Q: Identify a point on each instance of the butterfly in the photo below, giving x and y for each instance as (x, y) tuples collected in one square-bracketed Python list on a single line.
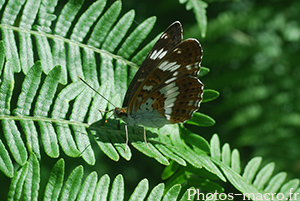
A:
[(166, 88)]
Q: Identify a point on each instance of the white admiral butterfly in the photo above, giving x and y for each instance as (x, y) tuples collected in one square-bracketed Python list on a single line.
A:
[(166, 88)]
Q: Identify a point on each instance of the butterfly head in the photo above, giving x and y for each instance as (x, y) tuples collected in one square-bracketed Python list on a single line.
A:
[(120, 112)]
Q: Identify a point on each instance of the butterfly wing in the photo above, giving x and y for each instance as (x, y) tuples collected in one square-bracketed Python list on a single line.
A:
[(165, 44), (173, 88), (166, 88)]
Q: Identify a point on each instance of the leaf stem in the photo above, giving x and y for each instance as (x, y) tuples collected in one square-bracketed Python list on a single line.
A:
[(62, 121)]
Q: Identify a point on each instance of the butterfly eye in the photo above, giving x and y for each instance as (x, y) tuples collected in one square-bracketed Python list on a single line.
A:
[(119, 112)]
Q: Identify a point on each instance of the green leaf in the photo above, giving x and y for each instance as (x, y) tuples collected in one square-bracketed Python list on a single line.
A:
[(118, 32), (251, 168), (173, 193), (44, 52), (46, 18), (14, 141), (215, 147), (72, 185), (86, 21), (88, 188), (190, 157), (104, 24), (276, 182), (121, 81), (61, 106), (67, 16), (151, 151), (203, 71), (47, 92), (32, 181), (264, 175), (289, 186), (235, 161), (31, 136), (99, 103), (209, 95), (200, 119), (140, 191), (42, 107), (55, 181), (101, 191), (117, 189), (157, 192), (202, 173), (6, 165), (199, 8), (195, 140), (131, 43), (226, 154), (178, 178), (244, 183), (49, 138)]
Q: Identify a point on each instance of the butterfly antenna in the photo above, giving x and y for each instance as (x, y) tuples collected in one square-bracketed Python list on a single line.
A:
[(95, 91)]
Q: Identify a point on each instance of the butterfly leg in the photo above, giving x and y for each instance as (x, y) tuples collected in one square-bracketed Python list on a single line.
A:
[(145, 135), (145, 138), (126, 132)]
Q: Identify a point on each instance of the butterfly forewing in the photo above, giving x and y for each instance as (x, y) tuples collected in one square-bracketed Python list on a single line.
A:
[(165, 44)]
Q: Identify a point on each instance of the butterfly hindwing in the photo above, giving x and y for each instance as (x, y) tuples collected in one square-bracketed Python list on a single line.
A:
[(173, 88)]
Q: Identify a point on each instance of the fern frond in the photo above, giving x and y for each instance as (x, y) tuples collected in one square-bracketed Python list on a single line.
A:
[(199, 8), (26, 180), (95, 27), (253, 181)]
